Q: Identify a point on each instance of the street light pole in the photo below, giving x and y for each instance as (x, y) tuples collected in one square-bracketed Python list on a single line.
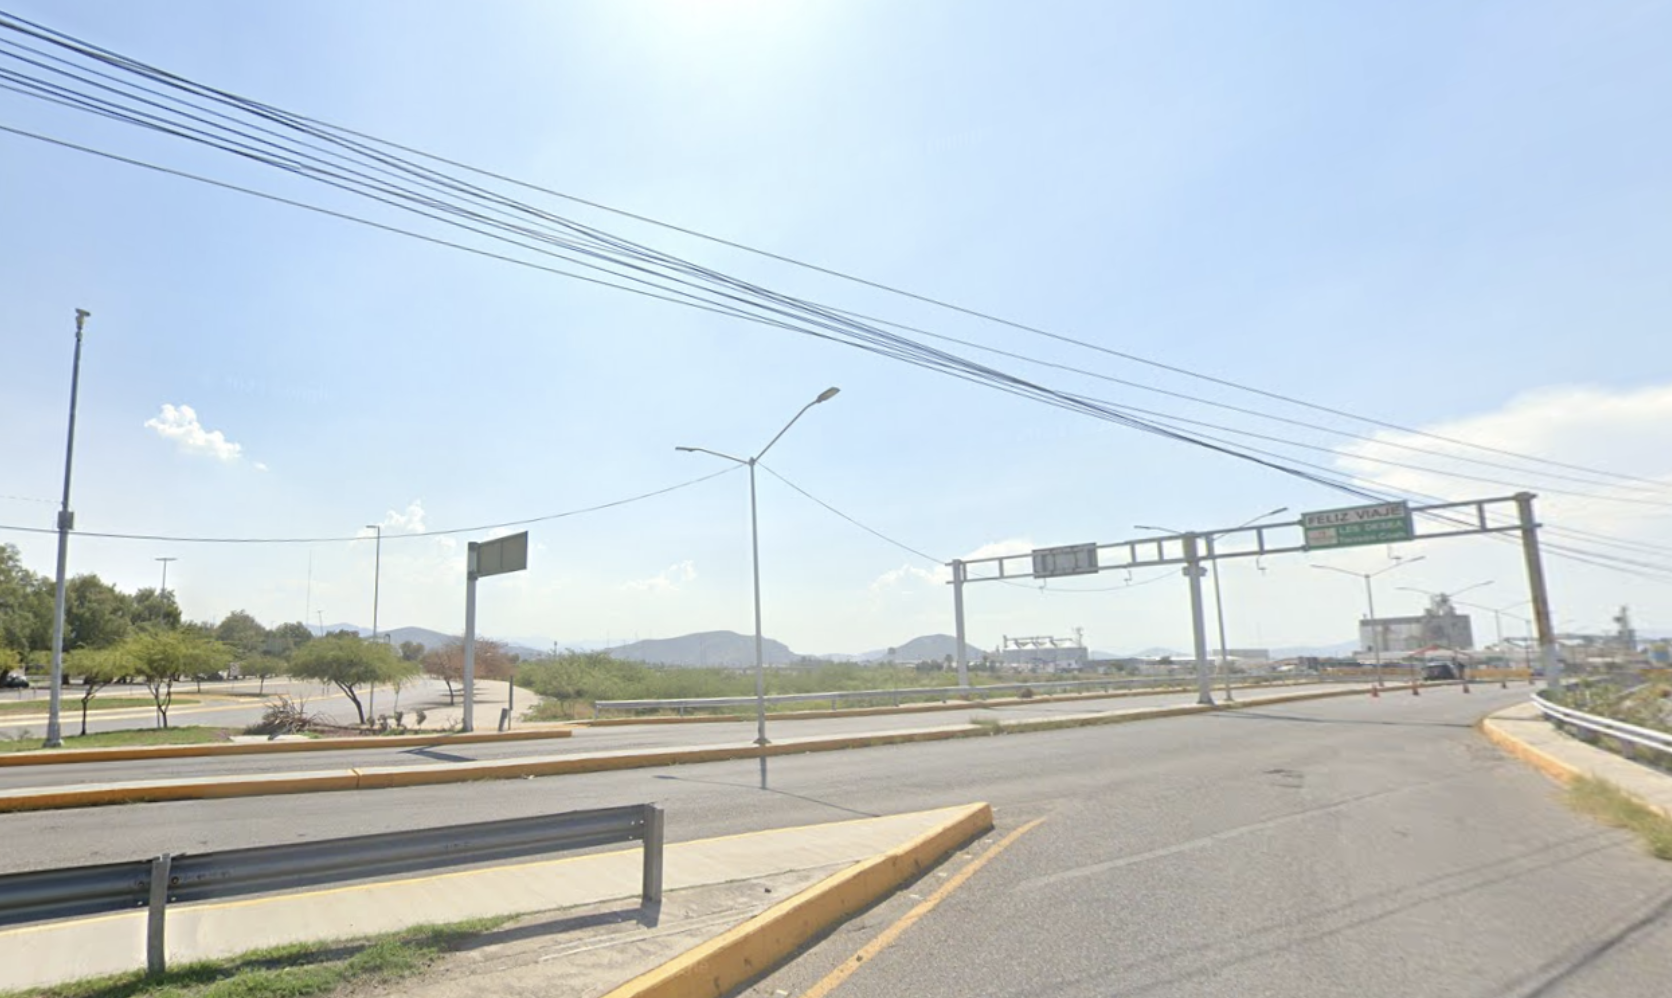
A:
[(66, 523), (755, 551), (1370, 601), (377, 582), (1218, 599)]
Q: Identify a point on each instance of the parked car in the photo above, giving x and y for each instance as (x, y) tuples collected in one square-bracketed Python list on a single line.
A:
[(14, 681)]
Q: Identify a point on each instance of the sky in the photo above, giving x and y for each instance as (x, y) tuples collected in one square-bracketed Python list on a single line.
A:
[(1450, 217)]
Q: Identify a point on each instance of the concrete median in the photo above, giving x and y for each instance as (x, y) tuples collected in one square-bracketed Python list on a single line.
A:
[(131, 753)]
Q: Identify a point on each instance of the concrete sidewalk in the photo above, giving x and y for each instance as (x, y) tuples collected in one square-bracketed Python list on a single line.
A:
[(710, 885), (1523, 731)]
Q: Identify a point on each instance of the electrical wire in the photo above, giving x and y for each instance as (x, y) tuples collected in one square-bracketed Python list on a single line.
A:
[(386, 537)]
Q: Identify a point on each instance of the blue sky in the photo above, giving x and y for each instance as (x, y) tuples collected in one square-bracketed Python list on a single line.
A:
[(1447, 215)]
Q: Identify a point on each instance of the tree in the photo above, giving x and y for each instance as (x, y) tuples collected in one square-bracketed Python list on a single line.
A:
[(242, 633), (412, 651), (446, 663), (96, 613), (349, 663), (163, 658), (264, 667), (25, 605), (286, 638), (97, 668), (9, 660), (154, 609)]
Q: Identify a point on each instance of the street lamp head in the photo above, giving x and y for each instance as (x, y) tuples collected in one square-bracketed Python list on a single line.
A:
[(1280, 509), (688, 450), (826, 395)]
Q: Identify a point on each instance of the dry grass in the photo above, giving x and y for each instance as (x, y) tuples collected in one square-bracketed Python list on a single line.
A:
[(1610, 805)]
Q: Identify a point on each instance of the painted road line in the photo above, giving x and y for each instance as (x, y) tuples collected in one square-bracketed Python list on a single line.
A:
[(763, 942), (886, 938)]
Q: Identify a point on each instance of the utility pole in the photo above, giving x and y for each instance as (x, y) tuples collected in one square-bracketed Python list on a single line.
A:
[(66, 523), (164, 590)]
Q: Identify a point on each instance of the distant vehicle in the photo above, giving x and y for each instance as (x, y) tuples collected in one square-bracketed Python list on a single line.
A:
[(14, 682), (1439, 670)]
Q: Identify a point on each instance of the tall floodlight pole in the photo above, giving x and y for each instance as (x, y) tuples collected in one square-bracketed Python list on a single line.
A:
[(66, 523), (1370, 603), (377, 580), (164, 590), (1218, 600), (755, 544)]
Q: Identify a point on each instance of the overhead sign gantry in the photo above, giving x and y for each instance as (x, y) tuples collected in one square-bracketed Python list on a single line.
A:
[(1380, 523)]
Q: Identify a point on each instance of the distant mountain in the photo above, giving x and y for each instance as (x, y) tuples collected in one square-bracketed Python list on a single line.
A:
[(926, 648), (423, 635), (726, 648)]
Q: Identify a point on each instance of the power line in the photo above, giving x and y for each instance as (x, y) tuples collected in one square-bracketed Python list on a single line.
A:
[(71, 43), (831, 320), (387, 537)]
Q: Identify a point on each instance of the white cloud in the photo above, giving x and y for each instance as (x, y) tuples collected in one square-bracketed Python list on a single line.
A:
[(667, 580), (904, 577), (180, 424), (259, 466), (409, 521)]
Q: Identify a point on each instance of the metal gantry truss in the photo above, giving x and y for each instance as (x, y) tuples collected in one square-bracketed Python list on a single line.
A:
[(1467, 518)]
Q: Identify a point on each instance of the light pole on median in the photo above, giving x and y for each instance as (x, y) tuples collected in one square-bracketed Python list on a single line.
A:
[(377, 583), (755, 543), (1218, 600), (1370, 600), (66, 523)]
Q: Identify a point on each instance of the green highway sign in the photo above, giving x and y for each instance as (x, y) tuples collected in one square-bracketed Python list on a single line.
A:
[(1384, 523)]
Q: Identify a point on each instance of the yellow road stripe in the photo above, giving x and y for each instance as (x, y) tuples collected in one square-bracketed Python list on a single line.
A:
[(834, 979)]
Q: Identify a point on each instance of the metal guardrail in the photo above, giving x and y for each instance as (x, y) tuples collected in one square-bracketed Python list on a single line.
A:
[(1660, 741), (835, 697), (46, 895)]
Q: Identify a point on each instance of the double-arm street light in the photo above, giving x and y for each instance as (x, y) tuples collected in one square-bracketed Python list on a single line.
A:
[(1218, 600), (755, 541), (1498, 614), (1370, 600)]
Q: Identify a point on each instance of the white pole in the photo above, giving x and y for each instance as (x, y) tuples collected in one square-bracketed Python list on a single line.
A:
[(1219, 612), (760, 658), (958, 622), (66, 523), (470, 638), (1375, 630), (1198, 625), (1541, 597)]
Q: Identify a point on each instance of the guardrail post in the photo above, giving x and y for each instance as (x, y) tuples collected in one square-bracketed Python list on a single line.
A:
[(652, 854), (156, 942)]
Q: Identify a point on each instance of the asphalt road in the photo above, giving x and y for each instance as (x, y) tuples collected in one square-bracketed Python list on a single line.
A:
[(1349, 846), (586, 739)]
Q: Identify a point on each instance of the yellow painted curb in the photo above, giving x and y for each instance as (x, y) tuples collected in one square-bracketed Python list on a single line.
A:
[(57, 757), (1544, 762), (384, 777), (746, 952)]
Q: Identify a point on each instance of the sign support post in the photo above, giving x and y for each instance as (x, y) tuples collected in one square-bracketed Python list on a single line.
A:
[(1198, 624), (1548, 651), (495, 557)]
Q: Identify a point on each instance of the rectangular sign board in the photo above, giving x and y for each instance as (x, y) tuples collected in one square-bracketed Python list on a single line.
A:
[(1384, 523), (501, 555), (1071, 559)]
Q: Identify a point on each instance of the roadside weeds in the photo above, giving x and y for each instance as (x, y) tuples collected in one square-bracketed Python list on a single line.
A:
[(294, 971), (1612, 806)]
